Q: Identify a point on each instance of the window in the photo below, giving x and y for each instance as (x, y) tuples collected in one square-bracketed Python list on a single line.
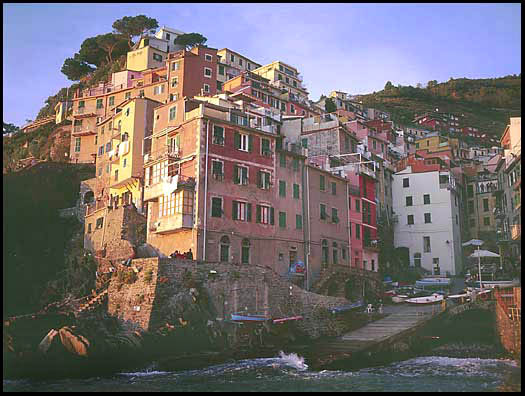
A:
[(225, 249), (426, 244), (241, 211), (232, 58), (141, 93), (173, 113), (357, 205), (243, 142), (374, 144), (298, 222), (265, 147), (263, 180), (240, 62), (283, 106), (282, 188), (427, 218), (157, 57), (157, 90), (470, 191), (408, 201), (175, 66), (264, 214), (81, 104), (405, 182), (282, 219), (77, 145), (457, 219), (208, 57), (127, 112), (127, 96), (240, 174), (221, 70), (245, 252), (99, 103), (96, 139), (334, 188), (100, 222), (358, 231), (295, 164), (426, 199), (417, 260), (168, 36), (89, 228), (321, 183), (485, 205), (304, 142), (100, 150), (218, 135), (217, 170), (334, 253), (373, 265), (471, 207), (343, 253), (322, 211), (207, 72), (335, 218), (219, 86), (108, 169), (410, 219), (174, 82), (435, 264), (108, 146), (486, 221), (324, 253), (124, 163), (116, 175), (292, 108), (282, 160)]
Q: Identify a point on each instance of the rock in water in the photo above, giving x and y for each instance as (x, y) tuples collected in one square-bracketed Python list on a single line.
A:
[(74, 343), (46, 342)]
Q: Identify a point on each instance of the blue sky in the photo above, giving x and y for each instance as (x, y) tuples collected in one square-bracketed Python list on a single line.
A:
[(353, 48)]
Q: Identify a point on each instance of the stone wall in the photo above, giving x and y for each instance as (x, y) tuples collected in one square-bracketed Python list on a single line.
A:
[(231, 288), (133, 302), (509, 331)]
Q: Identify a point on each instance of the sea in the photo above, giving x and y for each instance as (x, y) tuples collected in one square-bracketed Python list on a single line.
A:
[(289, 373)]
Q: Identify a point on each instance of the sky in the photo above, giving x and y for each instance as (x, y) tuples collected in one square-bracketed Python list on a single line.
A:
[(354, 48)]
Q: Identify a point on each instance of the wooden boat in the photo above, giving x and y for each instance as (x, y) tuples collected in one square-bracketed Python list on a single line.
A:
[(434, 298), (282, 320), (348, 307), (246, 317)]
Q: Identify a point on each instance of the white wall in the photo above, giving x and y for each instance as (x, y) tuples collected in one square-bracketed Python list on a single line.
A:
[(443, 227)]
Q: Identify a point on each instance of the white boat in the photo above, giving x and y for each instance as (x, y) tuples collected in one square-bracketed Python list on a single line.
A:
[(399, 298), (434, 298), (433, 282)]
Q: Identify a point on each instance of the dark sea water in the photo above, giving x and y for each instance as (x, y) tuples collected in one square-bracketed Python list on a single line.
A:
[(289, 373)]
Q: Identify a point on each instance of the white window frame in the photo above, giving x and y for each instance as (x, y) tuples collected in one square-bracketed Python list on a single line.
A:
[(211, 73), (174, 82), (222, 166), (264, 186), (242, 208), (265, 214), (158, 89), (239, 174), (206, 88), (208, 57), (175, 66), (244, 143), (175, 116)]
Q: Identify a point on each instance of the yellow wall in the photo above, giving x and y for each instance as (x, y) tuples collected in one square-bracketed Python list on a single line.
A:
[(142, 59)]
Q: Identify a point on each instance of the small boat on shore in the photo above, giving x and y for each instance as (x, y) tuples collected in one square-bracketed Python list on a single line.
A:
[(434, 298), (246, 317), (433, 282), (348, 307), (290, 318)]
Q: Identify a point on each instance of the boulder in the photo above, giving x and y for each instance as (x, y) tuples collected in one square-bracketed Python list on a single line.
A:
[(74, 343), (46, 342)]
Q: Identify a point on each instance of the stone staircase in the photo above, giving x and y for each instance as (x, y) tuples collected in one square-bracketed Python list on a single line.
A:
[(93, 303)]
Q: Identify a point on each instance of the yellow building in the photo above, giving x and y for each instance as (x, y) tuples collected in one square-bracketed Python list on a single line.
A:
[(285, 77), (145, 57), (132, 122)]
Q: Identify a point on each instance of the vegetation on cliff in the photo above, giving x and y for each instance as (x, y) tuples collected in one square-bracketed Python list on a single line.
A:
[(485, 103), (35, 237)]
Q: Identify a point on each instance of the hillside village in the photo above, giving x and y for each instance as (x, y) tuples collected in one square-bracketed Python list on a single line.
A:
[(228, 158)]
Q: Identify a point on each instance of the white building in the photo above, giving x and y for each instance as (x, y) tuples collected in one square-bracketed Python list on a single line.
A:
[(427, 206)]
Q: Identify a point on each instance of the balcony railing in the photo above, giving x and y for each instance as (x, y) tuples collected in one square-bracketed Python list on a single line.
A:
[(515, 231), (94, 206), (85, 110), (172, 223), (169, 184)]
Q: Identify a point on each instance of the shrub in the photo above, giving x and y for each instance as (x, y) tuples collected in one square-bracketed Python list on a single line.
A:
[(148, 276)]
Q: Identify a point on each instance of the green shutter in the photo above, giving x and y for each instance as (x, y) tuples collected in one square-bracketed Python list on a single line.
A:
[(272, 220), (304, 142), (334, 188), (296, 191), (236, 174), (244, 174), (267, 177), (298, 222), (234, 210), (249, 212), (321, 182), (258, 213), (250, 143), (237, 140), (282, 188), (259, 179), (282, 160), (282, 219), (177, 141), (295, 164)]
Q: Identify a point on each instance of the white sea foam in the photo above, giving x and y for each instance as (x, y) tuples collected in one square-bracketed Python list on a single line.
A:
[(293, 360), (145, 373)]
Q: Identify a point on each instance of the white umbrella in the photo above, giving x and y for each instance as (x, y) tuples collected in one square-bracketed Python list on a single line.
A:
[(473, 242), (483, 253)]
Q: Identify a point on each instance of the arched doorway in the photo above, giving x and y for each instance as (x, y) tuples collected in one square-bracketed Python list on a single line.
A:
[(224, 249)]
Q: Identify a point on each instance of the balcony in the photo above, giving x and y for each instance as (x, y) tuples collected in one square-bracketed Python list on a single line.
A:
[(166, 225), (354, 190), (166, 186), (371, 245), (85, 112), (86, 131), (515, 231)]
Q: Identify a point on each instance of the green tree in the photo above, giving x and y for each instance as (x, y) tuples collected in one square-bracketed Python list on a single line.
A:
[(91, 52), (130, 27), (111, 44), (10, 128), (388, 86), (329, 105), (75, 69), (190, 40)]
